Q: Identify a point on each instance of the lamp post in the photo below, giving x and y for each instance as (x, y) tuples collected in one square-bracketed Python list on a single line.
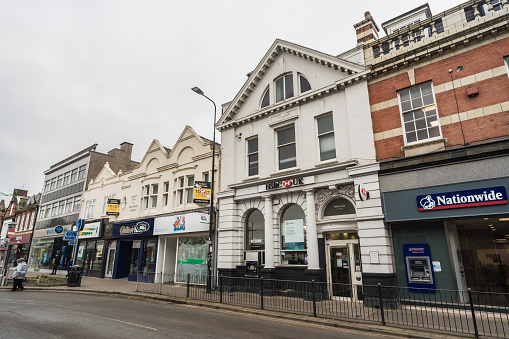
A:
[(211, 216)]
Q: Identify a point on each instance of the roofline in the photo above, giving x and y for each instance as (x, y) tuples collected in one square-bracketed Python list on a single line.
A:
[(76, 155), (426, 5)]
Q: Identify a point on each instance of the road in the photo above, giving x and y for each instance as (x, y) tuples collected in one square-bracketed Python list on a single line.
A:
[(78, 315)]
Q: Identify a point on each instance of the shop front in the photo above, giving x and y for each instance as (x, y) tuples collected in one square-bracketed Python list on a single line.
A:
[(453, 236), (19, 247), (183, 246), (91, 249), (135, 249), (46, 245)]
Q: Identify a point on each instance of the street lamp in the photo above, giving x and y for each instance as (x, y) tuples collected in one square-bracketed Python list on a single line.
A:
[(211, 216)]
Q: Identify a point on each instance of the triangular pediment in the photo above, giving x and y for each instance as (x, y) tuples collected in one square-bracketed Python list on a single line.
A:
[(105, 173), (187, 134), (311, 60), (155, 146)]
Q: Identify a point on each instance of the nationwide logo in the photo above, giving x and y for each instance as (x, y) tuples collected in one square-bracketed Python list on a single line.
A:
[(460, 199), (284, 184)]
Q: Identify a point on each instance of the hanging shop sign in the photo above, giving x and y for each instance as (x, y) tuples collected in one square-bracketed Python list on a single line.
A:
[(201, 192), (363, 193), (182, 223), (90, 230), (113, 207), (461, 199), (135, 228)]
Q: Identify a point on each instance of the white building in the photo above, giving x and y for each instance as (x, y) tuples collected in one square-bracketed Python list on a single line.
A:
[(297, 150), (157, 194)]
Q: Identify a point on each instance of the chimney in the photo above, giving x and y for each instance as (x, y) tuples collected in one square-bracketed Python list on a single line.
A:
[(366, 30), (127, 147)]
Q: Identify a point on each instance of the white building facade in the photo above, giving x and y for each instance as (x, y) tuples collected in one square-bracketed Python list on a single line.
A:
[(299, 196)]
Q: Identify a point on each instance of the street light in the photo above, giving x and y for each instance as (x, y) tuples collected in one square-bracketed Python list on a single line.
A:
[(211, 216)]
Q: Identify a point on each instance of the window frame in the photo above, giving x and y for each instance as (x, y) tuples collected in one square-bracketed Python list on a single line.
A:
[(265, 93), (249, 155), (88, 212), (318, 136), (105, 203), (285, 88), (189, 189), (401, 114), (278, 158)]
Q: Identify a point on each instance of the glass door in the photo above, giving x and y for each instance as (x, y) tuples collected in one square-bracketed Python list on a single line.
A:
[(110, 262), (340, 271)]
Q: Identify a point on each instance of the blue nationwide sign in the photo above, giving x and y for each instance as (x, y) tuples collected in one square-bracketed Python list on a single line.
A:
[(460, 199)]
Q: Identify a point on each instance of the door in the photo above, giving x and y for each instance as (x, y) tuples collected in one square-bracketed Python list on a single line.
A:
[(110, 263), (340, 271), (89, 257)]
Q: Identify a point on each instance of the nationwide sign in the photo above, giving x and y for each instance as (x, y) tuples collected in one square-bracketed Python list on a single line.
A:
[(460, 199), (284, 184)]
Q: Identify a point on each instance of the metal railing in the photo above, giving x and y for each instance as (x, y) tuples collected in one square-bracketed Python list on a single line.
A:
[(465, 312)]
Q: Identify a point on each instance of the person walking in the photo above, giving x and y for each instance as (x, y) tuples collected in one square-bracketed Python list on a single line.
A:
[(19, 275), (55, 263), (68, 267)]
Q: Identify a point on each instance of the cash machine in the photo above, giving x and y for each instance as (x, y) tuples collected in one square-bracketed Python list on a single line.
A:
[(419, 268)]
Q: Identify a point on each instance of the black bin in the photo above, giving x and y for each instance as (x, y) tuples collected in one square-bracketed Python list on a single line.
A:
[(74, 277)]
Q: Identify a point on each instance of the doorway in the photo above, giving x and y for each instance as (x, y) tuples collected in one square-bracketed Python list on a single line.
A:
[(344, 273), (110, 262)]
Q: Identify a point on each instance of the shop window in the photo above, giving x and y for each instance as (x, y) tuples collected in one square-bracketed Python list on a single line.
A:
[(339, 206), (293, 236), (326, 137), (135, 256), (252, 156), (255, 231), (149, 257), (287, 152), (192, 259), (419, 113)]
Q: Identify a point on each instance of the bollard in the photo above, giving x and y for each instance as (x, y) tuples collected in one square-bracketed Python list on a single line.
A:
[(381, 303), (313, 296), (476, 332), (188, 284), (221, 289), (160, 283), (261, 293)]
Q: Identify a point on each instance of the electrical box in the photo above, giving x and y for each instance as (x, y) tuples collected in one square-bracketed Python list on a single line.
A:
[(419, 268)]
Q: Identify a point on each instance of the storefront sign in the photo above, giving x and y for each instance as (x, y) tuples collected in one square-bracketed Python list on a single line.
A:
[(59, 229), (50, 232), (136, 228), (460, 199), (284, 184), (294, 235), (182, 223), (91, 230), (201, 192), (20, 239), (113, 207)]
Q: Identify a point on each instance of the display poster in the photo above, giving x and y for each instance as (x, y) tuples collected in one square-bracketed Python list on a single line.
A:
[(113, 207), (91, 230), (294, 234), (181, 223), (201, 192), (80, 252)]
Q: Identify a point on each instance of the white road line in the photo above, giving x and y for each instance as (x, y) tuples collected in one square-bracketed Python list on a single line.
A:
[(126, 322)]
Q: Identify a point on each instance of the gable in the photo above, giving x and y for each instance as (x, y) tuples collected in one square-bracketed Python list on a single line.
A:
[(105, 173)]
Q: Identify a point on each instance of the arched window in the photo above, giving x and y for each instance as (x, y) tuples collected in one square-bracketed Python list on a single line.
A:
[(255, 231), (266, 99), (339, 206), (284, 87), (293, 236), (304, 84)]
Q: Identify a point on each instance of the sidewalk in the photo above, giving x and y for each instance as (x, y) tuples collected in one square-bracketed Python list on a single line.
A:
[(128, 289)]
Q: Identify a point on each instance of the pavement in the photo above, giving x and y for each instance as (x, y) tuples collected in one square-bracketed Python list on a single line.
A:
[(125, 288)]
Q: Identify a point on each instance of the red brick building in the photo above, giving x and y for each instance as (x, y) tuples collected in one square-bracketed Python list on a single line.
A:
[(439, 97)]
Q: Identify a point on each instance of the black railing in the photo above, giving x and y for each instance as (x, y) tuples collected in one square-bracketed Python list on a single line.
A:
[(465, 312)]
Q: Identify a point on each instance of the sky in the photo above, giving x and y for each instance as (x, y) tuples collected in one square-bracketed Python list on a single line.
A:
[(76, 73)]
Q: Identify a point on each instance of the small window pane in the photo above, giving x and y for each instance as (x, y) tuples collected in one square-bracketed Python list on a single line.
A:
[(420, 123), (434, 132), (279, 90), (426, 88), (422, 134), (287, 156), (411, 137), (408, 117), (404, 96), (190, 181), (266, 99), (419, 114), (252, 145), (288, 86), (154, 201), (286, 136), (327, 147), (415, 92), (409, 126), (189, 193), (155, 189), (304, 84), (427, 100), (325, 124), (417, 102), (406, 106), (253, 164)]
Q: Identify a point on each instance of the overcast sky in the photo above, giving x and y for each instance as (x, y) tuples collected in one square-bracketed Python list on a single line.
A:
[(75, 73)]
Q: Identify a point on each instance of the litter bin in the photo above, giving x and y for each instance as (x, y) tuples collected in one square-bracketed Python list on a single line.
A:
[(74, 277)]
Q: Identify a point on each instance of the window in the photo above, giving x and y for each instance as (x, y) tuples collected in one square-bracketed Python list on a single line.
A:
[(205, 176), (89, 209), (67, 178), (53, 183), (304, 84), (68, 205), (54, 209), (166, 188), (105, 203), (77, 203), (255, 231), (61, 206), (439, 26), (42, 212), (286, 148), (339, 206), (470, 13), (252, 156), (47, 185), (293, 236), (47, 212), (266, 99), (74, 175), (180, 191), (326, 138), (376, 51), (82, 172), (190, 189), (497, 4), (386, 47), (145, 192), (60, 181), (153, 196), (284, 87), (506, 59), (419, 113)]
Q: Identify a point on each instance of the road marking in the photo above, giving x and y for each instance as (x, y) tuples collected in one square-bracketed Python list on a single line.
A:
[(126, 322)]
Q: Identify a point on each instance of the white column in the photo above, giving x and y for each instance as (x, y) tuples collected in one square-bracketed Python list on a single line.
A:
[(312, 237), (269, 233)]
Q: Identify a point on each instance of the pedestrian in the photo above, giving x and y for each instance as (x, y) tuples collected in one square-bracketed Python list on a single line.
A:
[(19, 275), (69, 264), (55, 263)]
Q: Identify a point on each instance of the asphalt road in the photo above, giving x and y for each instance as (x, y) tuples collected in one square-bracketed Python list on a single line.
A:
[(75, 315)]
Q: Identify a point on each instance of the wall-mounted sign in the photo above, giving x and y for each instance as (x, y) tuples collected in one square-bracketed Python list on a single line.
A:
[(460, 199), (201, 192), (90, 230), (284, 184), (363, 193), (182, 223), (113, 207), (20, 239), (135, 228), (59, 229)]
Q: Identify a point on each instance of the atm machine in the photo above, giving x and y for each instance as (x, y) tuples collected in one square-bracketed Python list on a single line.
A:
[(419, 268), (252, 259)]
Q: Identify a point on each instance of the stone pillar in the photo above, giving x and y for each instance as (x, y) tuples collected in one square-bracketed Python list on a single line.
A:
[(312, 237), (269, 233)]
